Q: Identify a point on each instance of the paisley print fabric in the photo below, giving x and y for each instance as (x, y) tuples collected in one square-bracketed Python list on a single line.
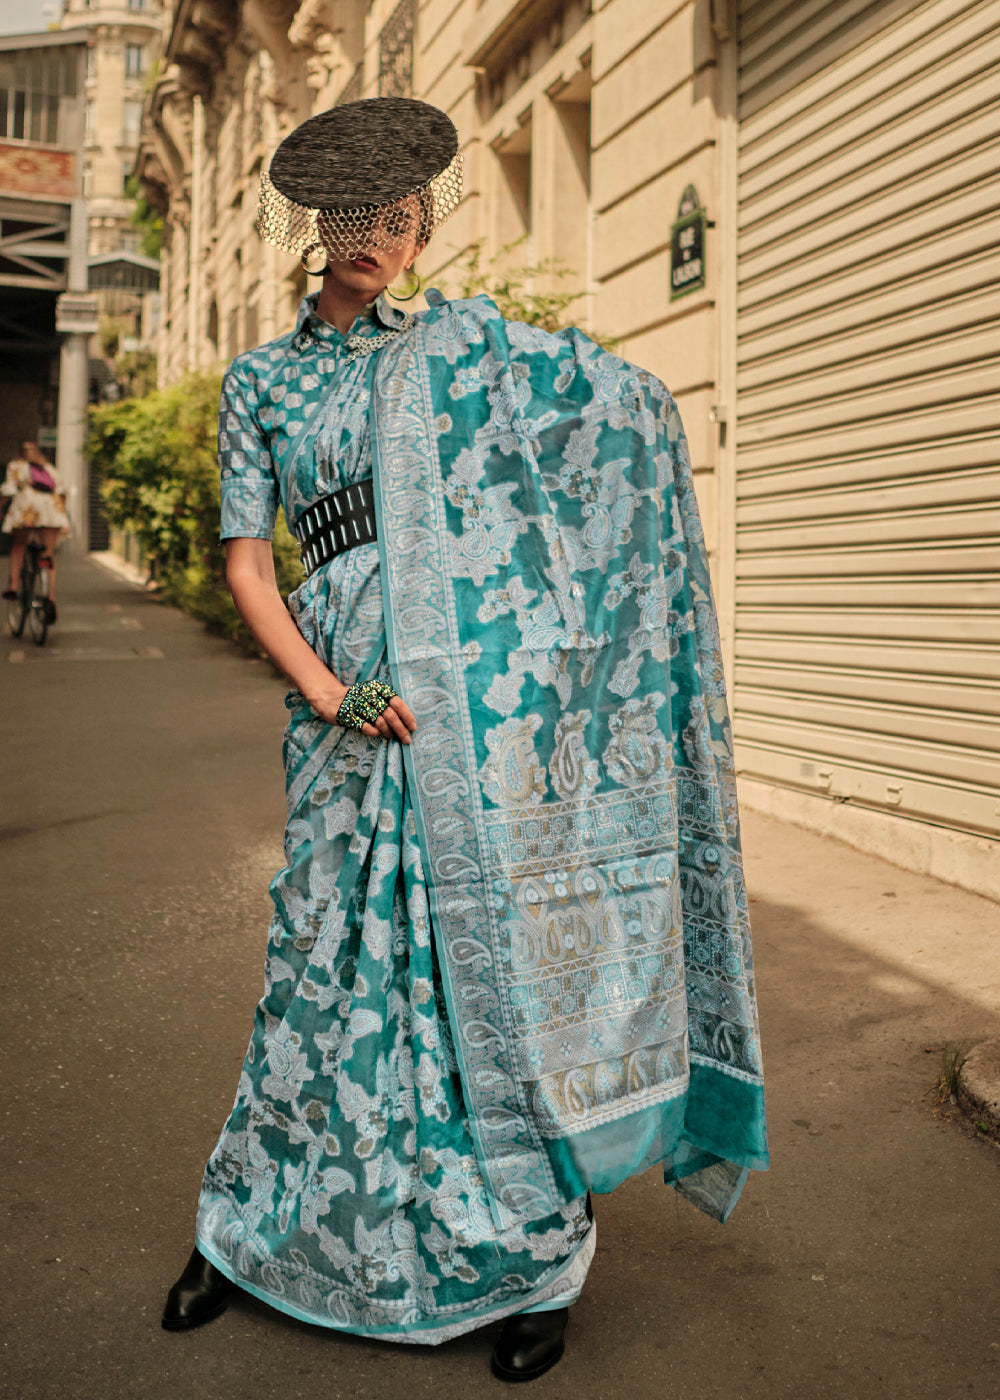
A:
[(550, 620), (511, 962), (344, 1188)]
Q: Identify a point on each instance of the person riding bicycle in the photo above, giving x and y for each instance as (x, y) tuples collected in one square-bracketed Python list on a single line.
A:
[(37, 505)]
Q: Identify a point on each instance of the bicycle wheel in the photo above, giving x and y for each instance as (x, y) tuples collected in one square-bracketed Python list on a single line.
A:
[(18, 608), (38, 613), (16, 615)]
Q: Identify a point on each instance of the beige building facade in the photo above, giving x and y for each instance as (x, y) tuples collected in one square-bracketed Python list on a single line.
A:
[(784, 210), (123, 43)]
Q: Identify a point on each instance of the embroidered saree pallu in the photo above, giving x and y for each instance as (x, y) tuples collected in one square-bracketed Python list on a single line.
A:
[(550, 622)]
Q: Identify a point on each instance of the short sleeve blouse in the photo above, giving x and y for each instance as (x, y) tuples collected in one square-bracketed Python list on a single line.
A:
[(270, 395), (249, 487)]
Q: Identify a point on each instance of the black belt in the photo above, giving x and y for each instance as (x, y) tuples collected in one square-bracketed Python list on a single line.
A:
[(335, 523)]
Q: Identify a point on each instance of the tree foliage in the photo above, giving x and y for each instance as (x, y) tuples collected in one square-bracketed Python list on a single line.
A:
[(156, 457), (135, 371)]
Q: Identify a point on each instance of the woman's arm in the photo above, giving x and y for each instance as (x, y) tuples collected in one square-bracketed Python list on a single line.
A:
[(250, 575), (12, 481)]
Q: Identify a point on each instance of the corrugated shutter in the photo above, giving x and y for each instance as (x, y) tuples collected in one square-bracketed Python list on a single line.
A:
[(98, 534), (868, 403)]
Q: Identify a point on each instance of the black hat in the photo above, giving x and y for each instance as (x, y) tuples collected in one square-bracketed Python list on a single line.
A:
[(333, 180), (369, 152)]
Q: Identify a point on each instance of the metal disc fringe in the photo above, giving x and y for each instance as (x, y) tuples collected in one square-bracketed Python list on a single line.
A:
[(367, 228)]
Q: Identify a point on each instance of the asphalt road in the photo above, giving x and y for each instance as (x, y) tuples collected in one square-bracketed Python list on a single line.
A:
[(141, 820)]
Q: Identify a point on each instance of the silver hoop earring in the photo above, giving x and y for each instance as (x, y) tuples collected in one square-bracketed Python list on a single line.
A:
[(416, 283), (315, 259)]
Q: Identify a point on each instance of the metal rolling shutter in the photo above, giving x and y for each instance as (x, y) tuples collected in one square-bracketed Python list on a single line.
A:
[(98, 534), (868, 348)]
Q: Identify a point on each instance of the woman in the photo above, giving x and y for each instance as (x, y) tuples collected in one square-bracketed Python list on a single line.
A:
[(509, 963), (37, 507)]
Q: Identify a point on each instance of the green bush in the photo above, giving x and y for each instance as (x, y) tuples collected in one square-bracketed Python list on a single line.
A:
[(540, 294), (145, 218), (156, 457)]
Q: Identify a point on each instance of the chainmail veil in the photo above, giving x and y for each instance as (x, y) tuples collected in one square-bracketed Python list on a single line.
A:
[(365, 176)]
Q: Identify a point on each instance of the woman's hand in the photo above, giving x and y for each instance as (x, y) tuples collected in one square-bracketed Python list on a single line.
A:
[(395, 722), (250, 574)]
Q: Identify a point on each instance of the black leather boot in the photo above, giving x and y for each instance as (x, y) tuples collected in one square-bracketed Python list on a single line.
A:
[(200, 1294), (530, 1344)]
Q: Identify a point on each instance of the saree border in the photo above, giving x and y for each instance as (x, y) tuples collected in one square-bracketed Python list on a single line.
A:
[(409, 504), (220, 1220)]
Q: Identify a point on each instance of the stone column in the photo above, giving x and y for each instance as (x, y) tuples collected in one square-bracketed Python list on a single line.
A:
[(76, 320), (195, 270)]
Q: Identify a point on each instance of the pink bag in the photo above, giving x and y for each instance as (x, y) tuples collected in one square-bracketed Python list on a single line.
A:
[(41, 480)]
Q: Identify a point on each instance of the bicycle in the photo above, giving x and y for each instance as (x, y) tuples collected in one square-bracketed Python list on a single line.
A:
[(31, 606)]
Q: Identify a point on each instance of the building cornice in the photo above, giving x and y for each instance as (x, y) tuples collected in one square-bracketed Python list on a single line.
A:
[(269, 22), (51, 39), (203, 32), (198, 40), (163, 164)]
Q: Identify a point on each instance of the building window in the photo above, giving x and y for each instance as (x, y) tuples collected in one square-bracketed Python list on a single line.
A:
[(137, 4), (395, 52), (512, 201), (88, 180), (236, 138), (568, 225), (212, 203), (91, 63), (135, 60), (88, 123), (212, 328), (131, 122), (31, 85)]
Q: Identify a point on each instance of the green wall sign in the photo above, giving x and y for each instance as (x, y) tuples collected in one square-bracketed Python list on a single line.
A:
[(687, 246)]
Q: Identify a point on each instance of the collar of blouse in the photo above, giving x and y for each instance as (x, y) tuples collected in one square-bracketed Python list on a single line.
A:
[(376, 319)]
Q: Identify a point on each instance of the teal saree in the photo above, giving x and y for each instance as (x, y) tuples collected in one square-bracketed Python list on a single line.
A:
[(510, 963)]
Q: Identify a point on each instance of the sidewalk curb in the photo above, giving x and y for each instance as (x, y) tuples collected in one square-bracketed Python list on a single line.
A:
[(978, 1088), (115, 564)]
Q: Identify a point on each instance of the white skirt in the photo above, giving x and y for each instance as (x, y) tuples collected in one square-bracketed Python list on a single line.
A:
[(35, 510)]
